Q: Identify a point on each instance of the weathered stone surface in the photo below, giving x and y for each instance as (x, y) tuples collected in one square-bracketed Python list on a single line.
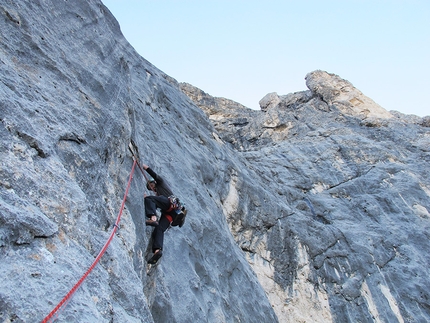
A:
[(333, 90), (337, 222), (315, 209), (269, 101), (73, 94)]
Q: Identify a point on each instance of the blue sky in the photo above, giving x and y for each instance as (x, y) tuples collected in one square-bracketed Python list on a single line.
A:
[(244, 49)]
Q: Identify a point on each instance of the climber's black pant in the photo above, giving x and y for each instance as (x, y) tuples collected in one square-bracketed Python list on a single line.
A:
[(154, 202), (158, 233), (151, 205)]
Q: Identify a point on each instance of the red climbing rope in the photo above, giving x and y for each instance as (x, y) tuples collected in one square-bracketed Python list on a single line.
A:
[(143, 172), (134, 154), (63, 303)]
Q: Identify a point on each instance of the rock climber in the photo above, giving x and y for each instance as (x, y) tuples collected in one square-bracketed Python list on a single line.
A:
[(167, 203)]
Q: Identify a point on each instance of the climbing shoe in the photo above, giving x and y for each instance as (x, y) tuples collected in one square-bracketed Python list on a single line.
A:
[(151, 223), (155, 257)]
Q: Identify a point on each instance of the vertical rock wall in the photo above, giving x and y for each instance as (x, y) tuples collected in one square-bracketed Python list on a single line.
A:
[(73, 94), (336, 223), (314, 209)]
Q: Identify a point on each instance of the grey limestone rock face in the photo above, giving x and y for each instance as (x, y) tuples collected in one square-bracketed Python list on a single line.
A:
[(333, 90), (314, 209), (73, 95), (336, 223)]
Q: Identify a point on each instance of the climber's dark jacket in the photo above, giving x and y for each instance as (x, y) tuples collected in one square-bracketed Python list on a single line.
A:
[(162, 189)]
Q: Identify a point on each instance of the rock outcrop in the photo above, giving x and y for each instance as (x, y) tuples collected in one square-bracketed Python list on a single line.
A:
[(314, 209), (73, 95), (336, 223)]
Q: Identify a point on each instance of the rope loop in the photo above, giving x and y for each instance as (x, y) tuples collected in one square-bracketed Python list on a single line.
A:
[(51, 317)]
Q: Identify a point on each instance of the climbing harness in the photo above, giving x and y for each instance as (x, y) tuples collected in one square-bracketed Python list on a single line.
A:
[(51, 317), (174, 201)]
